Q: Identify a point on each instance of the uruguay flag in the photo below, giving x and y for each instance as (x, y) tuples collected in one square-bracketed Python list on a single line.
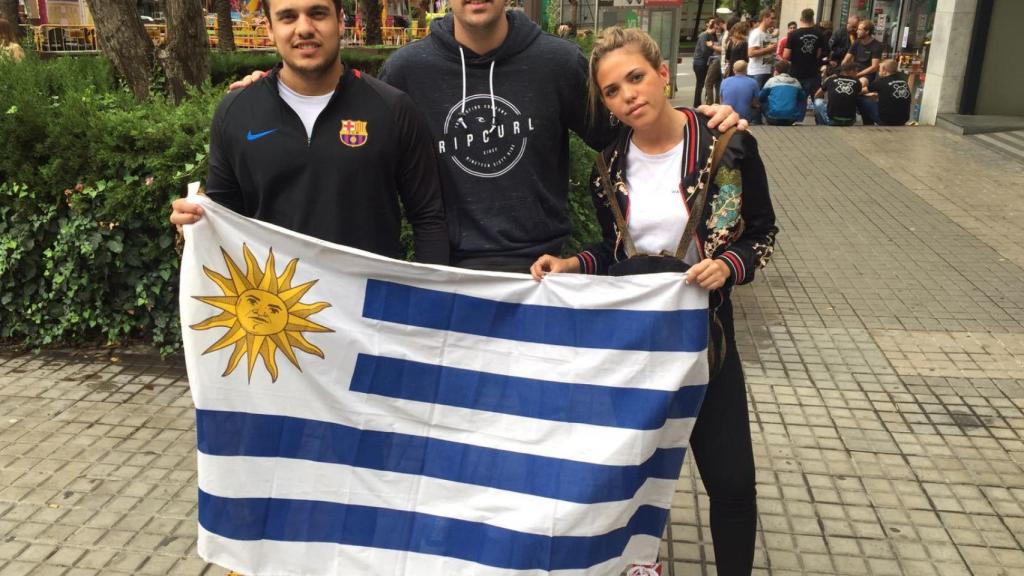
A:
[(360, 415)]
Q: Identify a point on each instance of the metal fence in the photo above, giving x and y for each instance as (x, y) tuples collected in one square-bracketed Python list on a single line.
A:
[(82, 39)]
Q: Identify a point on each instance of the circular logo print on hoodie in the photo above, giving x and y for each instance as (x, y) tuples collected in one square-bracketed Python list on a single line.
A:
[(485, 136)]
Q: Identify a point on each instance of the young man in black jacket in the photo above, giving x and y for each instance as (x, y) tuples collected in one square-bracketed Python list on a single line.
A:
[(321, 149)]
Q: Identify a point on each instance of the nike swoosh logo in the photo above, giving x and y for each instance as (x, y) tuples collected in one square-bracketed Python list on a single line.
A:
[(250, 136)]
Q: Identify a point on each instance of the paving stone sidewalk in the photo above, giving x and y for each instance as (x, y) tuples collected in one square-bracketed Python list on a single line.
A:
[(884, 352)]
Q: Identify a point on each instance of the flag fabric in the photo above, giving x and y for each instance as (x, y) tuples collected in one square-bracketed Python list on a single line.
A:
[(361, 415)]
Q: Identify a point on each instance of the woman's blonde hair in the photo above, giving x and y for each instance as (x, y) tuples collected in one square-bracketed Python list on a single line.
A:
[(740, 31), (609, 40)]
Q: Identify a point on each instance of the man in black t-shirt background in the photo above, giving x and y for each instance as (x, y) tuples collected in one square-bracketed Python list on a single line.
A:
[(842, 91), (890, 95), (866, 52), (803, 51)]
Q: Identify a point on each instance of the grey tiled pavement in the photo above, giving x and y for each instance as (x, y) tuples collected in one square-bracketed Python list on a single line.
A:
[(884, 352)]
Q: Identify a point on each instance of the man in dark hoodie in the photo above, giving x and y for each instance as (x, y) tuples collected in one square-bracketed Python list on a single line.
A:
[(500, 97)]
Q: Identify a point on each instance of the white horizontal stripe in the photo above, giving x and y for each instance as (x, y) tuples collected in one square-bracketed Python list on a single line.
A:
[(618, 368), (578, 442), (301, 480), (643, 292), (266, 557)]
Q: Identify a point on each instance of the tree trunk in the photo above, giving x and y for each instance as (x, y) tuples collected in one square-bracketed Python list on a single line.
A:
[(421, 18), (371, 19), (124, 41), (9, 12), (225, 33), (186, 58)]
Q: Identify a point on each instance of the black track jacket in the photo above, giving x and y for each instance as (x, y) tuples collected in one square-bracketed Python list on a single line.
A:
[(370, 147)]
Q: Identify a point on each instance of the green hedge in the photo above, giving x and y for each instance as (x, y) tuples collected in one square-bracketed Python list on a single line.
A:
[(226, 67), (86, 180)]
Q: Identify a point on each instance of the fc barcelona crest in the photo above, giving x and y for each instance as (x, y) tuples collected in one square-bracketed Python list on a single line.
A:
[(353, 133)]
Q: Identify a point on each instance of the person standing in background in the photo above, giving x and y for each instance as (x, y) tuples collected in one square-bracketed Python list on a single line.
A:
[(716, 64), (735, 48), (702, 55), (783, 41), (804, 47), (760, 48)]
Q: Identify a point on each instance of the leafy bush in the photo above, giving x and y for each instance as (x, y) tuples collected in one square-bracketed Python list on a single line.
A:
[(585, 229), (86, 177), (226, 67)]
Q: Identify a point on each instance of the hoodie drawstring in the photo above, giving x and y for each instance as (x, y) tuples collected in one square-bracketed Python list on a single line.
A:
[(462, 56), (490, 79), (494, 112)]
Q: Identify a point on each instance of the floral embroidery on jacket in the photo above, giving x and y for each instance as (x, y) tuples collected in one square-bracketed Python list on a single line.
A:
[(725, 222)]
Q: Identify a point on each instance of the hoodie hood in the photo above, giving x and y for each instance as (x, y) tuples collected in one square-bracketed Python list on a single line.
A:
[(782, 80), (522, 32)]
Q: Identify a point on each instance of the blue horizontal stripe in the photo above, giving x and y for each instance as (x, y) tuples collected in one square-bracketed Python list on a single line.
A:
[(637, 409), (259, 435), (654, 331), (314, 521)]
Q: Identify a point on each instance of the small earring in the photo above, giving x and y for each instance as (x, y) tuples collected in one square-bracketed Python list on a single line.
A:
[(612, 119), (668, 90)]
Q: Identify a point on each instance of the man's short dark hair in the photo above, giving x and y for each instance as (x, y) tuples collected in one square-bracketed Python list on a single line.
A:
[(868, 25), (781, 67), (850, 68), (265, 5), (807, 15), (766, 13)]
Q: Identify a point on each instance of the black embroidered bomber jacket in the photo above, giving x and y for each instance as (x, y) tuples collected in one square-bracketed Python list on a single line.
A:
[(738, 224)]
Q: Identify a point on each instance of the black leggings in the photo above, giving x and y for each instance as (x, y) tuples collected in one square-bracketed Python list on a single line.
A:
[(700, 72), (721, 447)]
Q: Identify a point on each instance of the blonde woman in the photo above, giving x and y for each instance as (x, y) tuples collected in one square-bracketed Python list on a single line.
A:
[(736, 46), (654, 167), (9, 47)]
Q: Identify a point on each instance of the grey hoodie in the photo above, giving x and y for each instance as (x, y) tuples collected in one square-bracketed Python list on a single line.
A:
[(500, 124)]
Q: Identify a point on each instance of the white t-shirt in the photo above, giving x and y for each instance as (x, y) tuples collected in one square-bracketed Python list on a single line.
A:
[(657, 211), (759, 64), (307, 107)]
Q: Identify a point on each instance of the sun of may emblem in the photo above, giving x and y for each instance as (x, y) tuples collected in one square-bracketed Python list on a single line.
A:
[(262, 313)]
